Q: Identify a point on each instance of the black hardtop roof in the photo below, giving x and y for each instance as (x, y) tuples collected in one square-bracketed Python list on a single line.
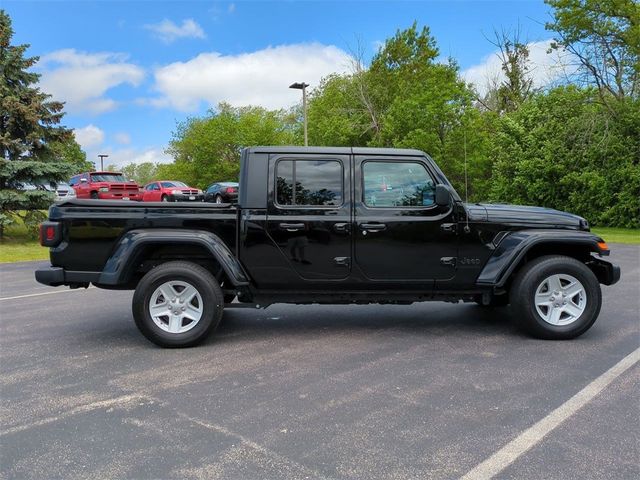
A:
[(338, 150)]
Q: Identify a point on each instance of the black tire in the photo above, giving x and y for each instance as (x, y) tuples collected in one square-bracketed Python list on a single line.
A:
[(164, 198), (94, 195), (532, 275), (193, 274), (219, 199)]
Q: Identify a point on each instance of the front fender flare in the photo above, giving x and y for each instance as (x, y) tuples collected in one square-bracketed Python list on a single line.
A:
[(118, 268), (515, 246)]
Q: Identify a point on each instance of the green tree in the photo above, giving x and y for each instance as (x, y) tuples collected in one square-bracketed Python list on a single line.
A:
[(208, 149), (563, 149), (337, 115), (430, 107), (70, 152), (406, 98), (517, 86), (141, 173), (28, 130), (604, 35)]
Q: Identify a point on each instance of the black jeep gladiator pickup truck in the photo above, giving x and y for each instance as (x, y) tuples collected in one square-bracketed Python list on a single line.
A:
[(330, 225)]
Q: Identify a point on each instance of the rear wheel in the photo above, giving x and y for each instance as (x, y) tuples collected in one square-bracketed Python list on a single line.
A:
[(219, 199), (556, 297), (164, 198), (177, 304)]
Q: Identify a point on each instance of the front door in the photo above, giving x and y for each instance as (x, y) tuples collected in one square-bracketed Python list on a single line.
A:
[(400, 232), (309, 215)]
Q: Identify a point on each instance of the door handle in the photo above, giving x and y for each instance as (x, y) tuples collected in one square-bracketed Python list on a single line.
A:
[(342, 261), (448, 227), (373, 227), (292, 227), (341, 227)]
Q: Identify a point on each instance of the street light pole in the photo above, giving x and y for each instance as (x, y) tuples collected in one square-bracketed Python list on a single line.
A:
[(102, 157), (303, 86)]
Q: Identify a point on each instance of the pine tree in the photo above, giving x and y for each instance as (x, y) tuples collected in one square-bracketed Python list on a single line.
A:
[(29, 130)]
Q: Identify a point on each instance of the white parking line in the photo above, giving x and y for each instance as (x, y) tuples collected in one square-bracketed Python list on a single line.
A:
[(118, 401), (46, 293), (534, 434)]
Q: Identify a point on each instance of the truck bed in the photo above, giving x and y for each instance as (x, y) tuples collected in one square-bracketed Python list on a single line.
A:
[(91, 228)]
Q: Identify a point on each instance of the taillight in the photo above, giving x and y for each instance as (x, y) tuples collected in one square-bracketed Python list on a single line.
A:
[(231, 189), (50, 234)]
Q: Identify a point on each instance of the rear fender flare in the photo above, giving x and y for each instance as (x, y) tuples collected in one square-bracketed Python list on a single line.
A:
[(514, 246), (119, 267)]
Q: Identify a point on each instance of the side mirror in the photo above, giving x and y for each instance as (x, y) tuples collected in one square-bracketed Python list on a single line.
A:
[(83, 180), (443, 195)]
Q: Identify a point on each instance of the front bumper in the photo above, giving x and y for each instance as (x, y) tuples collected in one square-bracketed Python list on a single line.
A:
[(186, 198), (606, 272), (133, 196)]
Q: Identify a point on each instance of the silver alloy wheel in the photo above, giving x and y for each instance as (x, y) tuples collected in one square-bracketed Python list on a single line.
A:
[(560, 299), (176, 306), (218, 199)]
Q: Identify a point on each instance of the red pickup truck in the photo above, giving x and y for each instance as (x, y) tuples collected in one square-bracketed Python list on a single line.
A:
[(106, 186)]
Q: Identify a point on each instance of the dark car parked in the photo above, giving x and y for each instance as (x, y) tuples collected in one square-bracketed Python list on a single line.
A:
[(222, 192)]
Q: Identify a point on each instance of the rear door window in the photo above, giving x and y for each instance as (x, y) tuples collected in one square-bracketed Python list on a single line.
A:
[(317, 183)]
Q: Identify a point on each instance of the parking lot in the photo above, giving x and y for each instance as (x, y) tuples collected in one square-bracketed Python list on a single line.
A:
[(387, 392)]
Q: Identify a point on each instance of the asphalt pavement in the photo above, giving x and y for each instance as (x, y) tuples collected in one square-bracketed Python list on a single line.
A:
[(424, 391)]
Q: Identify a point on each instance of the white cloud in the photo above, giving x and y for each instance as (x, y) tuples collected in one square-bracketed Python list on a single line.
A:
[(257, 78), (89, 136), (123, 138), (544, 68), (120, 157), (169, 32), (82, 79)]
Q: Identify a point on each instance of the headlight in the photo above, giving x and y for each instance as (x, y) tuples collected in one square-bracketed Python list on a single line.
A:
[(584, 225), (104, 189), (71, 193), (176, 192)]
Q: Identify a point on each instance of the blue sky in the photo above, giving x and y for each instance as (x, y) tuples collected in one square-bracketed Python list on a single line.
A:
[(130, 70)]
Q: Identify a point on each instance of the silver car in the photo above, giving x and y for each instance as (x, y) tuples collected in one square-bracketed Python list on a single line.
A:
[(64, 191)]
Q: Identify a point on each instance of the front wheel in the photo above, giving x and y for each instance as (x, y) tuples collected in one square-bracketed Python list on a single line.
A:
[(556, 298), (177, 304)]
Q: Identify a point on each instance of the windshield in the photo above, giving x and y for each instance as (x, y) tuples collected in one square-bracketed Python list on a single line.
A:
[(173, 184), (107, 177)]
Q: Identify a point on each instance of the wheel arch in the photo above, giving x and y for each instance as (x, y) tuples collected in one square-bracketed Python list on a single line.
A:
[(518, 248), (136, 246)]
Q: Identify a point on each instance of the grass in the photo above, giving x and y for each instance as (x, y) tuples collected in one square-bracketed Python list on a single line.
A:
[(629, 236), (18, 246)]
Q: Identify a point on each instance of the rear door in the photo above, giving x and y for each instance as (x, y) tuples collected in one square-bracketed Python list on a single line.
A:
[(309, 214), (401, 234)]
